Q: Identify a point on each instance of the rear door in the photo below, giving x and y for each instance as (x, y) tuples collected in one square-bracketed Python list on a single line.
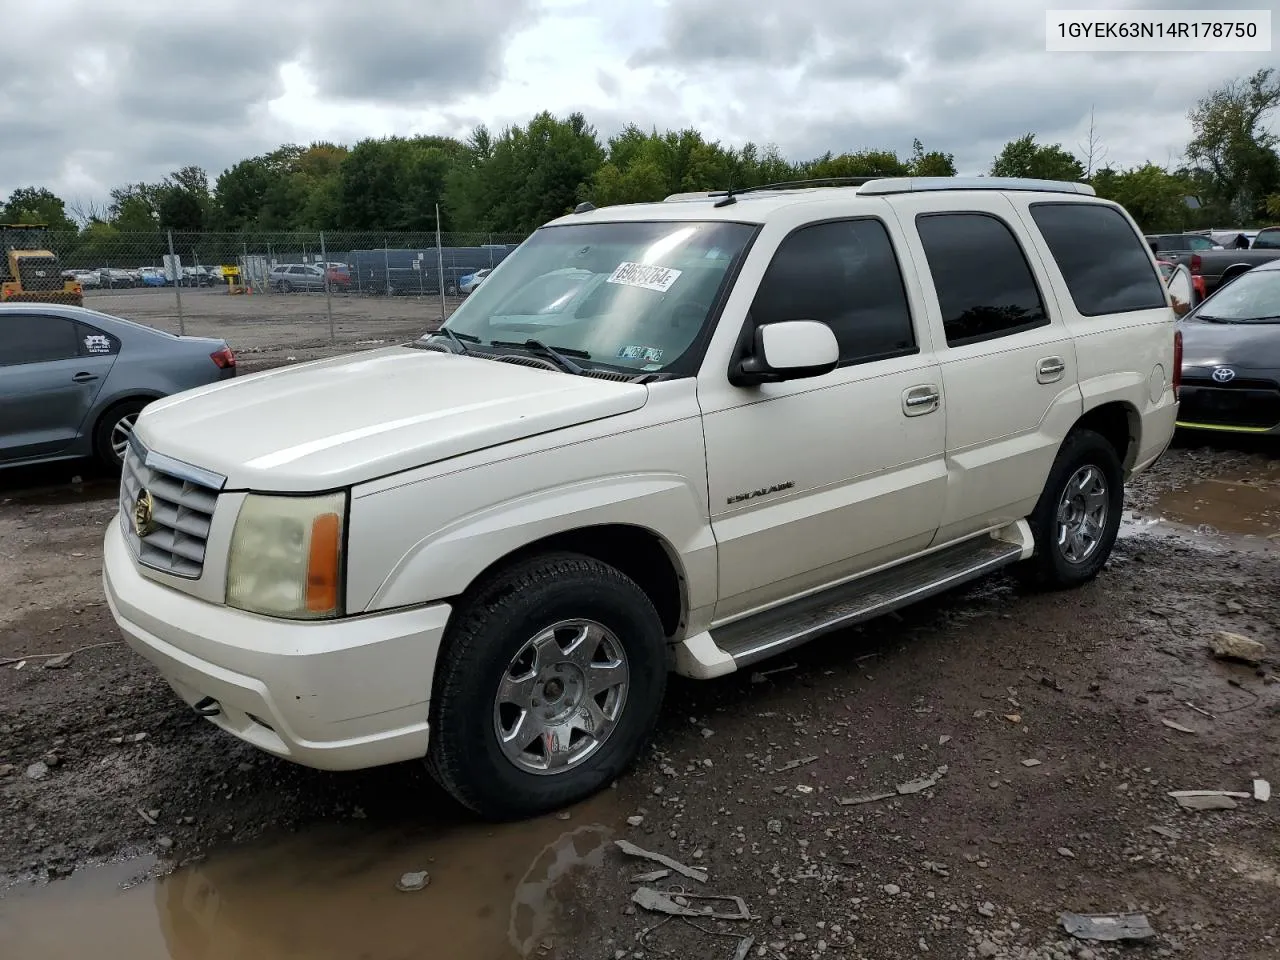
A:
[(51, 371), (1008, 362)]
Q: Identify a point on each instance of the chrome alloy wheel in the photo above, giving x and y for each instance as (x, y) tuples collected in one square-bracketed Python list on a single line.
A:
[(1082, 514), (121, 431), (561, 697)]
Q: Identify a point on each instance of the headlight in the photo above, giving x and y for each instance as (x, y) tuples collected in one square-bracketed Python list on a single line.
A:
[(286, 556)]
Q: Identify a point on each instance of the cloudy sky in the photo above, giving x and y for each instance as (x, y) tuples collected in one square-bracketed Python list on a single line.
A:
[(94, 93)]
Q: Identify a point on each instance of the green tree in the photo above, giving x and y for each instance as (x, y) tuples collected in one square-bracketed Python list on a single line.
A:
[(525, 176), (37, 205), (864, 163), (1026, 158), (1152, 195), (134, 207), (394, 183), (1233, 145), (931, 164)]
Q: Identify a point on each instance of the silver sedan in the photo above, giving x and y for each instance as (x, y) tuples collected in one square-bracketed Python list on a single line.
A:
[(73, 381)]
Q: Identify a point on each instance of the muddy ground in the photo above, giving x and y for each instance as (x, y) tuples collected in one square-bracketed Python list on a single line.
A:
[(1041, 717)]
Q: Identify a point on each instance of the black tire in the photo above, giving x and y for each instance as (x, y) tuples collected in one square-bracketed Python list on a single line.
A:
[(103, 446), (490, 627), (1051, 568), (285, 286)]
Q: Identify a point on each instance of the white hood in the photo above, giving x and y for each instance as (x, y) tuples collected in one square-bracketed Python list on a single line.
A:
[(332, 423)]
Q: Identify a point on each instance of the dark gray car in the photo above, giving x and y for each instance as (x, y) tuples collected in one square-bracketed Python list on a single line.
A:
[(1231, 357), (72, 381)]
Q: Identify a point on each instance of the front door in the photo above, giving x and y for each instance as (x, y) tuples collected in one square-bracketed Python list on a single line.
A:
[(812, 481)]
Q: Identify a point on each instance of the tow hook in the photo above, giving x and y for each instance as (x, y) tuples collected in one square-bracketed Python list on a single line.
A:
[(207, 707)]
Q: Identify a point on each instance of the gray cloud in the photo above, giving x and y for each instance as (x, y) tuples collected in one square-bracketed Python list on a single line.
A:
[(703, 32), (158, 90), (96, 93), (608, 83), (406, 50)]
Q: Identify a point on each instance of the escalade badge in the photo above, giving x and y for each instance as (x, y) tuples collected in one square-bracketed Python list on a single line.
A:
[(143, 520), (1224, 375)]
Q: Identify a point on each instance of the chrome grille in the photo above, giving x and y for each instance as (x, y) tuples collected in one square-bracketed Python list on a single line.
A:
[(182, 512)]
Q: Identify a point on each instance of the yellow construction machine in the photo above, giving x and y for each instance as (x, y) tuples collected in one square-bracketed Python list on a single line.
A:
[(29, 270)]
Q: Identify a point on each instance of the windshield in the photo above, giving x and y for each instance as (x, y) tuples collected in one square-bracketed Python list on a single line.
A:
[(1251, 297), (631, 296)]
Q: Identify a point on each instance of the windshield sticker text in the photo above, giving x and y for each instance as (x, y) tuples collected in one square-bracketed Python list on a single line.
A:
[(647, 354), (645, 275)]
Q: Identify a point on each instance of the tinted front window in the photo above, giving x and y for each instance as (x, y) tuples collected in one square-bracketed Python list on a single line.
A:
[(1267, 240), (985, 286), (630, 295), (844, 274), (1103, 261), (35, 338)]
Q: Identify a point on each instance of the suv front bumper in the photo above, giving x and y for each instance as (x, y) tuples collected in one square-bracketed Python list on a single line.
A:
[(336, 695)]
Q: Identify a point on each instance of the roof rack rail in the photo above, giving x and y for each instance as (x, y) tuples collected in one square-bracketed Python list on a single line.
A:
[(801, 184), (694, 195), (888, 185)]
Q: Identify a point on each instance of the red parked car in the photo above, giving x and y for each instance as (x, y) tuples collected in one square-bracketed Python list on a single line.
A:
[(339, 277), (1197, 281)]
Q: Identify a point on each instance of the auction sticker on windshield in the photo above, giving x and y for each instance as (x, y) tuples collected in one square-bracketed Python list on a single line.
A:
[(645, 275), (637, 352)]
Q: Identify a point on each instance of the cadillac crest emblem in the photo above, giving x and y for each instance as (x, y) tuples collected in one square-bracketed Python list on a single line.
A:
[(143, 520)]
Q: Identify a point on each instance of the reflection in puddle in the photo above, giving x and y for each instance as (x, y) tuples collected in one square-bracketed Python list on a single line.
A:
[(496, 893), (1235, 510)]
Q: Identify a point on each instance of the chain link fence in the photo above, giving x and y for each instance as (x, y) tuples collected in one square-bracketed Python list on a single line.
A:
[(275, 291)]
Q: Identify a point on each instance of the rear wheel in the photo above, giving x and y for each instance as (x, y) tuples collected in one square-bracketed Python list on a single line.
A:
[(111, 436), (284, 286), (548, 685), (1077, 519)]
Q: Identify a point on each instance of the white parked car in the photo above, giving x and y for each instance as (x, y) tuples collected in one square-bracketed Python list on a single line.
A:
[(469, 283), (680, 436)]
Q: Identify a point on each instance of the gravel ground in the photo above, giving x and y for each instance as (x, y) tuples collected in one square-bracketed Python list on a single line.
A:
[(1038, 719), (275, 328)]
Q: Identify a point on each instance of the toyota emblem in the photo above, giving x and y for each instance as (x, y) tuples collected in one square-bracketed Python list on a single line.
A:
[(1223, 375)]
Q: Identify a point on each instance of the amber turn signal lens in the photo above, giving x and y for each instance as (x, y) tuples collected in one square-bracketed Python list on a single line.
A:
[(323, 562)]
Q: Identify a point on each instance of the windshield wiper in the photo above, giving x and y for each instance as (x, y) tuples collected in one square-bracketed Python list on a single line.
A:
[(456, 338), (556, 355)]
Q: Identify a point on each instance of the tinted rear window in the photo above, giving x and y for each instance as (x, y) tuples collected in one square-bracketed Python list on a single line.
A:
[(1106, 265)]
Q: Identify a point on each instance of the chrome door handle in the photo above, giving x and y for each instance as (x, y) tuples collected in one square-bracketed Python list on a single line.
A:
[(920, 400), (1050, 369)]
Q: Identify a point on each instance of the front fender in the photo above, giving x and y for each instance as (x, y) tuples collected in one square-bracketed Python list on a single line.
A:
[(455, 549)]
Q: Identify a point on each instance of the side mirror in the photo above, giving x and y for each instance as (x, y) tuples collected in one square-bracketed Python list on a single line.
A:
[(1181, 291), (789, 350)]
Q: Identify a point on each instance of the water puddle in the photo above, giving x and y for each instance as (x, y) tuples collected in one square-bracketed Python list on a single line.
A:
[(496, 893), (34, 492), (1238, 512)]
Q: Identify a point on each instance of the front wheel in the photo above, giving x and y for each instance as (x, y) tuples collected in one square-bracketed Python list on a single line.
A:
[(549, 683), (1077, 519)]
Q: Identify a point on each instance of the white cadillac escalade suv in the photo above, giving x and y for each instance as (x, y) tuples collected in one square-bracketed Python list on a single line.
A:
[(680, 436)]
